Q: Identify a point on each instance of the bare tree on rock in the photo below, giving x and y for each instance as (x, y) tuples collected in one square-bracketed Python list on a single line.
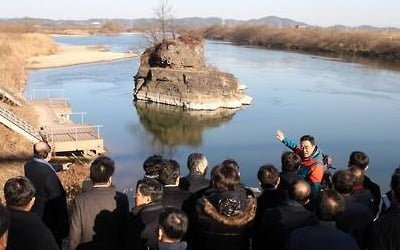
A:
[(163, 13)]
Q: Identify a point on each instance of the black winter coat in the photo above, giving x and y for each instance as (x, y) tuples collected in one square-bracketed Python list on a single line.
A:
[(270, 198), (193, 183), (279, 222), (322, 236), (385, 232), (375, 191), (355, 220), (173, 196), (218, 231), (142, 232), (27, 232)]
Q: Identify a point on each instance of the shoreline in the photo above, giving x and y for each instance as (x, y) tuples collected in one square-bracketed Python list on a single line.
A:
[(367, 44), (75, 55), (18, 150)]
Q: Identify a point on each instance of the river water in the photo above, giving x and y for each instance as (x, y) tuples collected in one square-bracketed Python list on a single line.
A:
[(347, 106)]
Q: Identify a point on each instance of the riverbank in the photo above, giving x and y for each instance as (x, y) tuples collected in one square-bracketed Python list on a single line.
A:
[(333, 42), (75, 55), (17, 150)]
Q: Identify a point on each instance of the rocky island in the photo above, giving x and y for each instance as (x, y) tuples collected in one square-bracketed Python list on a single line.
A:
[(174, 72)]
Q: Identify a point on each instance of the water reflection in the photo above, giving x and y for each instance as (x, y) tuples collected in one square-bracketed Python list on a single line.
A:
[(174, 126)]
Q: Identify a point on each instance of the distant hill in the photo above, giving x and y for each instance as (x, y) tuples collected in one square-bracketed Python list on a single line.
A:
[(362, 27), (276, 22), (195, 21), (188, 21)]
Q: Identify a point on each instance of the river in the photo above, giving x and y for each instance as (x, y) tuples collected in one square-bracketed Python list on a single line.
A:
[(347, 106)]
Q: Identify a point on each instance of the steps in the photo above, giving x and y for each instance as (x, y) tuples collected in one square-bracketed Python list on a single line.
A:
[(19, 125)]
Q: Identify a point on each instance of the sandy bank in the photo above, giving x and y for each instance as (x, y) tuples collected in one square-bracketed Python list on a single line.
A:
[(74, 55)]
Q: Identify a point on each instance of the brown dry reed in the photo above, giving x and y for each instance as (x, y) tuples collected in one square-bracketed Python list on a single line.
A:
[(365, 43), (15, 48)]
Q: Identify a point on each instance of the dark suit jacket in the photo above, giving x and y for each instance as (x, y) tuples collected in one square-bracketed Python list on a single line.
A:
[(355, 220), (365, 198), (98, 219), (27, 232), (142, 229), (279, 222), (174, 197), (287, 178), (323, 236), (269, 198), (50, 203), (385, 233), (375, 191), (193, 183)]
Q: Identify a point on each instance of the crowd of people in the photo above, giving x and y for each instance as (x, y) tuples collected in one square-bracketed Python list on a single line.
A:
[(300, 207)]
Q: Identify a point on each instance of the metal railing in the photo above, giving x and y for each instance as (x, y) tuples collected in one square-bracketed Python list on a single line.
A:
[(19, 122), (8, 94), (47, 93)]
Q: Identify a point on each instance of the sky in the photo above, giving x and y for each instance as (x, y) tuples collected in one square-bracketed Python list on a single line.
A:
[(382, 13)]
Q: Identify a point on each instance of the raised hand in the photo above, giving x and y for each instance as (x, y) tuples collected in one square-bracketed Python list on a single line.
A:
[(280, 135)]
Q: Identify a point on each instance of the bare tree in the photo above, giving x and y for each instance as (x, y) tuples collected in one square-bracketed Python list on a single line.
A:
[(163, 12)]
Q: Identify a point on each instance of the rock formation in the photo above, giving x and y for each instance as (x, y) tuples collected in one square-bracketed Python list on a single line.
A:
[(174, 72)]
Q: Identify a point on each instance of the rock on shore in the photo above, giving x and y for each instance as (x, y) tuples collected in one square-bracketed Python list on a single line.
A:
[(174, 72)]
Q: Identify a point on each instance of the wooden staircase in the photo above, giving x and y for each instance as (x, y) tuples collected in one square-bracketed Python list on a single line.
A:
[(6, 96)]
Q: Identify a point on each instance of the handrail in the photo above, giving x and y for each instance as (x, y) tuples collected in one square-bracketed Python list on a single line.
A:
[(19, 122), (10, 96), (47, 91)]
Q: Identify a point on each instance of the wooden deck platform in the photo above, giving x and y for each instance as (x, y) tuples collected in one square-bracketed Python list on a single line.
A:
[(74, 138)]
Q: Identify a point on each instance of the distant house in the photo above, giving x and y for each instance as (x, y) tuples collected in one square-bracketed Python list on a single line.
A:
[(300, 26), (95, 24)]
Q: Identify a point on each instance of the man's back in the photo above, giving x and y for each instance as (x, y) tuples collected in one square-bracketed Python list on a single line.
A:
[(46, 183), (287, 178), (175, 197), (194, 183), (269, 198), (318, 237), (279, 222), (142, 226), (365, 198), (27, 232), (98, 219), (385, 232), (355, 220), (50, 203), (375, 191)]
